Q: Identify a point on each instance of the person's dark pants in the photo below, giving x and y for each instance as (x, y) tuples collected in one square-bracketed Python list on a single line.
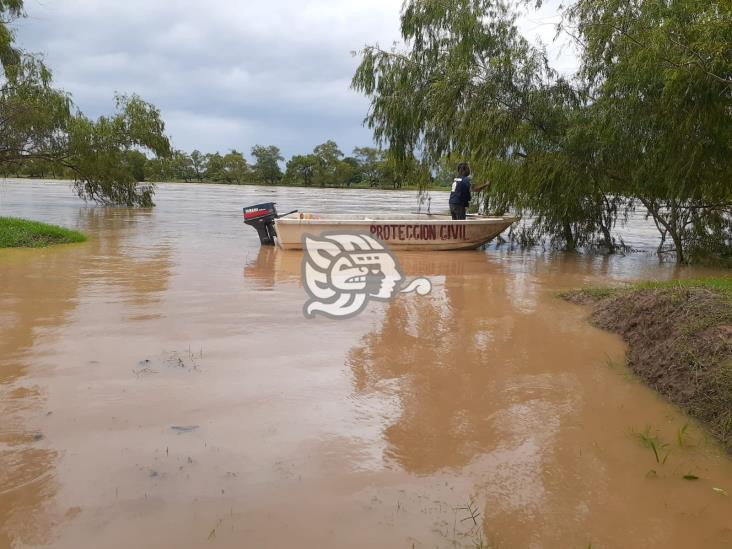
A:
[(457, 211)]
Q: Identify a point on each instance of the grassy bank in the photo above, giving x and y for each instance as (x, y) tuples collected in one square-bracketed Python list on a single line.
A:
[(679, 337), (21, 233)]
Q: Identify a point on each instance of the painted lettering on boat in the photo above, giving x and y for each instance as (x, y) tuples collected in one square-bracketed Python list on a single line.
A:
[(419, 232)]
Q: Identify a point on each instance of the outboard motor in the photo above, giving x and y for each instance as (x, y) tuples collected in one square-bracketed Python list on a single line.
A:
[(262, 218)]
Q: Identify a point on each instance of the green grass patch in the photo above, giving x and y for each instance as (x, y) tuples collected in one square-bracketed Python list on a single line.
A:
[(721, 285), (21, 233), (718, 284)]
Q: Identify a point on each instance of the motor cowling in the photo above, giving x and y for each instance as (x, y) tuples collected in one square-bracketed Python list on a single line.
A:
[(262, 218)]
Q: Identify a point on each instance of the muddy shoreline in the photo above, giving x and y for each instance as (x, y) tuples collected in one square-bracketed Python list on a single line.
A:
[(679, 343)]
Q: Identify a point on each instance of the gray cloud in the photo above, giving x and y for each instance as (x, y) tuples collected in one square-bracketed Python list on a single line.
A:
[(226, 74)]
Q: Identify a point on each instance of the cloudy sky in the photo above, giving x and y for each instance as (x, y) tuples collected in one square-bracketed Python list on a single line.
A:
[(230, 74)]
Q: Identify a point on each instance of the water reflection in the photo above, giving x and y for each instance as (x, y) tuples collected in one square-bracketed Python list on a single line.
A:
[(271, 266), (439, 355), (125, 258), (40, 291), (484, 378)]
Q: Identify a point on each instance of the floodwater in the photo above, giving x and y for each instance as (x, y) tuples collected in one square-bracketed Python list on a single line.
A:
[(160, 387)]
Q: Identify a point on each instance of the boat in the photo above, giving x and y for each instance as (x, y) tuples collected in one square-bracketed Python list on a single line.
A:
[(398, 231)]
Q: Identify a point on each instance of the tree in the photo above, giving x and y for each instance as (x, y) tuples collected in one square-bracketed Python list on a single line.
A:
[(180, 166), (267, 165), (301, 169), (39, 123), (10, 56), (328, 156), (645, 121), (661, 75), (95, 152), (136, 161), (198, 163), (348, 171), (33, 115), (469, 86), (214, 167), (370, 161), (234, 168)]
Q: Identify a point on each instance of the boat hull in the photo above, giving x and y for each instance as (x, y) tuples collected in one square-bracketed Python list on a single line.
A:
[(426, 233)]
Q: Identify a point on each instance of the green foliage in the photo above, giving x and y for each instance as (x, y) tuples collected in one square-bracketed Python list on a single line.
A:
[(234, 168), (267, 165), (40, 133), (327, 156), (10, 56), (21, 233), (367, 167), (662, 76), (176, 166), (325, 167), (655, 444), (230, 168), (135, 161), (198, 164), (97, 152), (33, 115), (301, 169), (644, 123)]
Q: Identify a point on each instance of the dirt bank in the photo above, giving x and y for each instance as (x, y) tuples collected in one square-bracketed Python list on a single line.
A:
[(680, 343)]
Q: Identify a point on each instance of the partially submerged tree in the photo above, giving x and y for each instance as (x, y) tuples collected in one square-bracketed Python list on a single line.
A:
[(96, 152), (468, 85), (661, 76), (647, 120), (38, 123)]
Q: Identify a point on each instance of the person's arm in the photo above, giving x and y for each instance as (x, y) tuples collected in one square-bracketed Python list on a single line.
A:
[(479, 188)]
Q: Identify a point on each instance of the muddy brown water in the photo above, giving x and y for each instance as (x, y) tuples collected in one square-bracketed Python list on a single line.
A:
[(160, 387)]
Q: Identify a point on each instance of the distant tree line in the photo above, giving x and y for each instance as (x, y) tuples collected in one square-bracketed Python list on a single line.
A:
[(326, 166)]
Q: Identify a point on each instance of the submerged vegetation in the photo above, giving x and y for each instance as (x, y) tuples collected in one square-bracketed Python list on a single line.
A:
[(680, 343), (21, 233), (644, 123), (40, 125)]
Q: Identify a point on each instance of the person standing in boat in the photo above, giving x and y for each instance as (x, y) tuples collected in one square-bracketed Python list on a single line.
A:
[(461, 192)]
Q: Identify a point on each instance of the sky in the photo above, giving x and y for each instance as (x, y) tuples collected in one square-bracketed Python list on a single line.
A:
[(230, 74)]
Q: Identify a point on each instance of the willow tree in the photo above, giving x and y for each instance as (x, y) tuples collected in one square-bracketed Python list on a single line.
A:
[(661, 73), (39, 123), (98, 151), (467, 84), (646, 121)]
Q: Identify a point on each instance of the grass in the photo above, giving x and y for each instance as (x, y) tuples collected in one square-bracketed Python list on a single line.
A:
[(655, 444), (22, 233), (721, 285), (718, 284)]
